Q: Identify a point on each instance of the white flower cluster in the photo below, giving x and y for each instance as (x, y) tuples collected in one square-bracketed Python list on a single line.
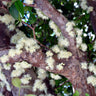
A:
[(69, 28), (91, 80), (60, 66), (85, 7), (17, 36), (64, 54), (92, 68), (13, 52), (7, 66), (2, 84), (5, 3), (54, 76), (63, 42), (52, 82), (55, 28), (41, 14), (4, 58), (26, 79), (9, 21), (84, 65), (4, 80), (49, 54), (55, 49), (60, 10), (79, 41), (78, 32), (20, 68), (29, 1), (50, 61), (94, 45), (39, 85), (42, 74), (29, 44)]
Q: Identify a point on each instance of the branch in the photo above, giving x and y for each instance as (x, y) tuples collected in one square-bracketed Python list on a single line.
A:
[(58, 18), (93, 14)]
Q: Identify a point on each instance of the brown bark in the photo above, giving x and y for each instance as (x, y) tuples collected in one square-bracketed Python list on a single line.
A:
[(72, 69), (93, 14)]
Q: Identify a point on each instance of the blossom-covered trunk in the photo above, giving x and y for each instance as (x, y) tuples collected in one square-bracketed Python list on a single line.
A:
[(72, 69)]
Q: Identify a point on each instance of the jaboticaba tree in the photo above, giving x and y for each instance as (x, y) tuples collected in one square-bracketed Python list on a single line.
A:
[(46, 47)]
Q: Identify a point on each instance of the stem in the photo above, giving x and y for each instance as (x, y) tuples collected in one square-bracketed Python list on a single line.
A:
[(34, 34), (19, 91), (30, 28)]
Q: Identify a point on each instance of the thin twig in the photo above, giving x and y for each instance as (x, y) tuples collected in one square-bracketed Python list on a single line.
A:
[(34, 34), (30, 5), (62, 84), (30, 28)]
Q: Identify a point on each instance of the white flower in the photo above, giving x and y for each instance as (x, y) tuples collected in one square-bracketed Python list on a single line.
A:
[(15, 38), (29, 1), (13, 52), (7, 66), (17, 73), (49, 53), (11, 27), (7, 19), (55, 49), (56, 77), (50, 61), (71, 33), (83, 47), (41, 14), (4, 3), (60, 10), (55, 28), (84, 65), (90, 9), (91, 80), (92, 68), (64, 54), (60, 66), (21, 65), (52, 83), (41, 73), (79, 40), (63, 42), (39, 85), (69, 26), (25, 79), (78, 32), (4, 58)]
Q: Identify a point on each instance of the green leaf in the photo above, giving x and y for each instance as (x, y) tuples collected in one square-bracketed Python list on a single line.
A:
[(86, 94), (16, 82), (76, 93), (19, 7), (32, 18), (14, 12)]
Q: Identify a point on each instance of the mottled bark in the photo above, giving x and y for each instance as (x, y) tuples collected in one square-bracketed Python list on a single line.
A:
[(93, 14)]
